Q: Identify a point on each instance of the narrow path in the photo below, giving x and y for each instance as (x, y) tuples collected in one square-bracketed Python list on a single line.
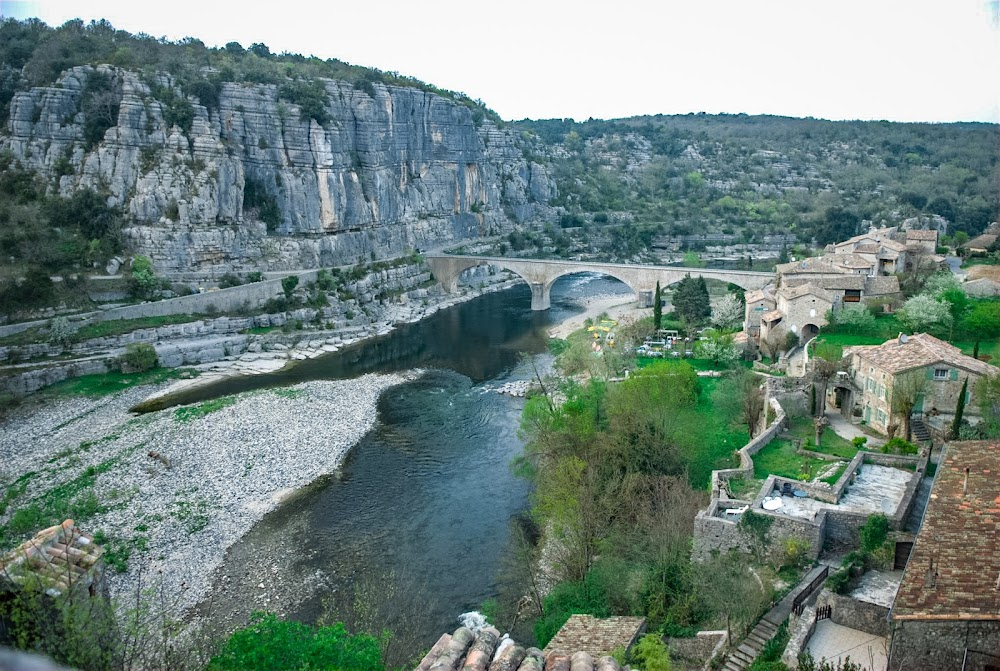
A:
[(848, 431), (744, 655)]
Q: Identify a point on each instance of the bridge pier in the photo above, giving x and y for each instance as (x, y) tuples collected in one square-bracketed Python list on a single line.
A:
[(540, 296)]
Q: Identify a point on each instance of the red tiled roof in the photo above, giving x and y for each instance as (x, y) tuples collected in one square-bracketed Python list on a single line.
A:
[(954, 568)]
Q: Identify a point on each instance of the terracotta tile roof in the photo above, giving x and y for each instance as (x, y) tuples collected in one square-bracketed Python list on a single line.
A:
[(850, 261), (954, 568), (852, 281), (881, 285), (918, 351), (62, 557), (811, 265), (889, 243), (772, 316), (792, 293), (922, 235), (759, 295), (596, 636), (866, 248), (485, 650), (984, 241)]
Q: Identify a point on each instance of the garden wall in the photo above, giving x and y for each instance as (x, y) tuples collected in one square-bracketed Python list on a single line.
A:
[(862, 615)]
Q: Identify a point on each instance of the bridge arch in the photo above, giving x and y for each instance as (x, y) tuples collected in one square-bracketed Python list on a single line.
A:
[(547, 289)]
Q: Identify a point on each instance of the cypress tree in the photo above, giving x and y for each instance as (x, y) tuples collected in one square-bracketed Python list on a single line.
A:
[(959, 408), (657, 308)]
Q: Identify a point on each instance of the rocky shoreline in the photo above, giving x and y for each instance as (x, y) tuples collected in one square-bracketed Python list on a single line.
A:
[(174, 489)]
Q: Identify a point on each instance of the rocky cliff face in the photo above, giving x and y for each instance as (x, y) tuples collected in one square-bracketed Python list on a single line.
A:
[(393, 168)]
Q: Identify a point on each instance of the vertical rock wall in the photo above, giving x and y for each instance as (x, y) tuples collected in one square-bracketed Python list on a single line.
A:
[(403, 168)]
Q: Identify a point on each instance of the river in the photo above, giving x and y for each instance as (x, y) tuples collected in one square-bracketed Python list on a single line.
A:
[(411, 528)]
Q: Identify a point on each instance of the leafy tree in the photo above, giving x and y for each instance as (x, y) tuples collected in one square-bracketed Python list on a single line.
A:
[(691, 300), (288, 285), (957, 303), (907, 389), (142, 281), (657, 307), (791, 341), (923, 313), (938, 283), (982, 321), (728, 312), (855, 319), (719, 349)]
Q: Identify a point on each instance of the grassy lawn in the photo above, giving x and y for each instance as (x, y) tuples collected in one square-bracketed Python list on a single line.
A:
[(779, 458), (715, 444), (112, 383), (744, 488), (803, 428)]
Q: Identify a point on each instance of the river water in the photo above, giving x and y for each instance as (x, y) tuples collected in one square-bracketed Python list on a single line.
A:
[(410, 531)]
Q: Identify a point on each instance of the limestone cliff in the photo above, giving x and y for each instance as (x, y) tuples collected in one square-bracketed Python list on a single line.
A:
[(390, 168)]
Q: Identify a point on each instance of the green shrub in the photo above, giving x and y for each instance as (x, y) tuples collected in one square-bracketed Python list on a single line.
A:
[(899, 446), (288, 285), (838, 581), (138, 358), (269, 643), (859, 441), (651, 654)]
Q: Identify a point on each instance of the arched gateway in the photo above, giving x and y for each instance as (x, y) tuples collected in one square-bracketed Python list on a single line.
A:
[(540, 274)]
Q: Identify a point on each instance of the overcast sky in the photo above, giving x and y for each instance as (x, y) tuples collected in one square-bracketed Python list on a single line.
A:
[(907, 60)]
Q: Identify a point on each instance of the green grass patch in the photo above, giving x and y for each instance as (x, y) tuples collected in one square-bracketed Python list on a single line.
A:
[(803, 428), (74, 499), (713, 446), (192, 412), (286, 392), (779, 458), (697, 364), (833, 477), (744, 488), (114, 382)]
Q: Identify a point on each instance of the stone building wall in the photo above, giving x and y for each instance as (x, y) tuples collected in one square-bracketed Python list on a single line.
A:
[(715, 535), (941, 645)]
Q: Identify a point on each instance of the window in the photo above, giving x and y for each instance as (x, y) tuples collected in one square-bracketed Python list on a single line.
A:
[(880, 416), (940, 373), (852, 296)]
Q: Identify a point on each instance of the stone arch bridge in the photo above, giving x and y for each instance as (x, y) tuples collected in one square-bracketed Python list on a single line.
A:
[(540, 274)]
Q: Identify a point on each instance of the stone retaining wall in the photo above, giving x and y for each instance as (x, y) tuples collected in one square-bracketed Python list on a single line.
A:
[(861, 615), (934, 645), (747, 451), (715, 535)]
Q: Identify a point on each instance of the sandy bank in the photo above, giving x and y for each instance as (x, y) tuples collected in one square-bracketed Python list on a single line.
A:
[(621, 307)]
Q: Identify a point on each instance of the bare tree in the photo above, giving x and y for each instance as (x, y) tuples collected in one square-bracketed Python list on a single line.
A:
[(906, 390), (751, 397)]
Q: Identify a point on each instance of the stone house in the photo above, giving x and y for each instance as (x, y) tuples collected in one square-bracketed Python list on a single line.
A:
[(986, 241), (758, 303), (922, 242), (946, 614), (877, 249), (803, 310), (873, 370)]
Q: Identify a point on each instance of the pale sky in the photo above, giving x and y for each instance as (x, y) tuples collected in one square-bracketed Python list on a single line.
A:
[(903, 60)]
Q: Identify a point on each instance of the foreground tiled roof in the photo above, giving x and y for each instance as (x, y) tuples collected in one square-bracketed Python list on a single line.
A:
[(772, 315), (486, 650), (918, 351), (596, 636), (954, 568), (60, 557)]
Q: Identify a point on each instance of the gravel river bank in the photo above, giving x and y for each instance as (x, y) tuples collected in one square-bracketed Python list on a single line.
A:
[(175, 488)]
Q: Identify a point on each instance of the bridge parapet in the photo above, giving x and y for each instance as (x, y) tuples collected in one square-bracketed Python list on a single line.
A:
[(540, 274)]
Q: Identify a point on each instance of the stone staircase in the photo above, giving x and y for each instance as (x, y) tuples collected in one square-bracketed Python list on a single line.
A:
[(746, 652), (919, 430)]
